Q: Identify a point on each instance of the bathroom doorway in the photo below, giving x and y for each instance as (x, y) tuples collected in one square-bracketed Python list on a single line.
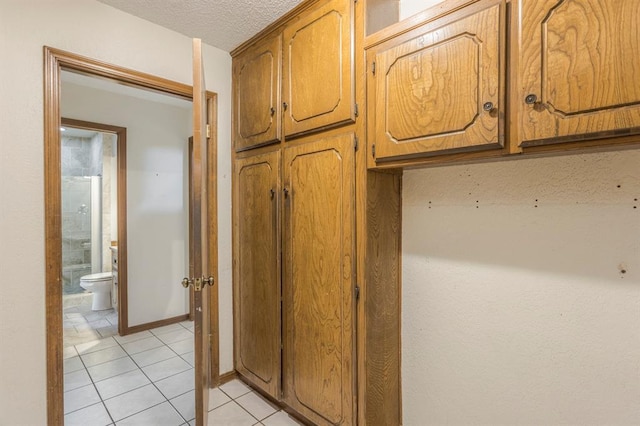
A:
[(93, 222)]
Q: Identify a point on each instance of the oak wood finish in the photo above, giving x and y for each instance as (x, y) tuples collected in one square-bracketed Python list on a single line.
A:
[(256, 95), (581, 59), (200, 243), (319, 267), (121, 214), (257, 319), (55, 61), (439, 88), (318, 87)]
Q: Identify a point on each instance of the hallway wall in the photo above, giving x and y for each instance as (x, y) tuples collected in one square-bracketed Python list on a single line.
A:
[(95, 30)]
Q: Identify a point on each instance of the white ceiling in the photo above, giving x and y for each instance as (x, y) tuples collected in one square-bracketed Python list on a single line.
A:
[(224, 24)]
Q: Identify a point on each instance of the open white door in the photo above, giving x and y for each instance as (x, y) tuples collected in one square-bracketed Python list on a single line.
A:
[(200, 282)]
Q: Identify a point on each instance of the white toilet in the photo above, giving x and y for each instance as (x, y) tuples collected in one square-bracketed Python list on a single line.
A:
[(100, 285)]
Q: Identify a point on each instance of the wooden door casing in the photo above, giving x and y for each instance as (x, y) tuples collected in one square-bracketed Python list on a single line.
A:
[(256, 95), (257, 271), (319, 270), (579, 62), (439, 89), (318, 88)]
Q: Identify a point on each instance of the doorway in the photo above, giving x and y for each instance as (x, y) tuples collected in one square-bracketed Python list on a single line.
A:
[(55, 63)]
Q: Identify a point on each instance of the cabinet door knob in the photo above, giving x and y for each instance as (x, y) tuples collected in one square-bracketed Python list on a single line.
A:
[(487, 106), (272, 111), (530, 99), (285, 106), (272, 193), (286, 193)]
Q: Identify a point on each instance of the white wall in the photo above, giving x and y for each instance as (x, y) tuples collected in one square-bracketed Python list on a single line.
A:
[(157, 195), (92, 29), (515, 306)]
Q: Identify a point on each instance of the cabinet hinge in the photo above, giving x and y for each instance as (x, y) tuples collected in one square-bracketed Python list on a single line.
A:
[(357, 292), (355, 143), (373, 68), (373, 151), (355, 110), (208, 131)]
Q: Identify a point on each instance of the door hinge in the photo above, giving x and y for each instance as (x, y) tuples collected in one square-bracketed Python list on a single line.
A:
[(373, 151), (373, 67), (355, 110), (355, 143), (208, 131), (357, 292)]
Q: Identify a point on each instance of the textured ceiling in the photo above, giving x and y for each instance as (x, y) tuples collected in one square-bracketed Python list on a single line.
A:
[(224, 24)]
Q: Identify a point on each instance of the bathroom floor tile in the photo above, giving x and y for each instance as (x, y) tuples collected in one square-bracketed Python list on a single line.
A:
[(133, 337), (102, 356), (152, 356), (95, 345), (80, 398), (177, 384), (256, 405), (108, 331), (142, 345), (76, 379), (166, 368), (160, 415), (69, 351), (166, 329), (235, 388), (185, 404), (133, 402), (217, 398), (183, 346), (72, 364), (111, 368), (121, 383), (176, 336), (93, 415), (231, 414)]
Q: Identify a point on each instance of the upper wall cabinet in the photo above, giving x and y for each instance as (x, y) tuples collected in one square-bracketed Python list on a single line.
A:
[(578, 70), (438, 89), (256, 92), (318, 90)]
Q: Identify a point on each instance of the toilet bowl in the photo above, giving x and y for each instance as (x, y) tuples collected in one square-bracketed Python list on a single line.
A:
[(100, 285)]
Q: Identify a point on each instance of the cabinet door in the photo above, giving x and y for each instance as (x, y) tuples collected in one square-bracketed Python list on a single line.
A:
[(257, 271), (318, 73), (256, 95), (578, 71), (319, 280), (439, 89)]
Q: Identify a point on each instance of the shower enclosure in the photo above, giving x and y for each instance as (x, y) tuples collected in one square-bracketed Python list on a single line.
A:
[(81, 230)]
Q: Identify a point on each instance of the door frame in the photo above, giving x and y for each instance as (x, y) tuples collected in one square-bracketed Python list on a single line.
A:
[(121, 212), (55, 61)]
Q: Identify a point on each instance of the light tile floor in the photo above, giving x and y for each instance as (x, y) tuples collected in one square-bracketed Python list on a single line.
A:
[(147, 379), (81, 324)]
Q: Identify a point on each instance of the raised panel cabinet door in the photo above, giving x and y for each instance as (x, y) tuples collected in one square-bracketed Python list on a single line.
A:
[(256, 95), (319, 280), (579, 70), (318, 89), (439, 89), (257, 271)]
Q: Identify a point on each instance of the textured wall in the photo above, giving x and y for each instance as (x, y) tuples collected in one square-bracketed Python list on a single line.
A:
[(521, 292), (92, 29)]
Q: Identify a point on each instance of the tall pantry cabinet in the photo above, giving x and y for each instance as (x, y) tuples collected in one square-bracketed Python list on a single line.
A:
[(316, 236)]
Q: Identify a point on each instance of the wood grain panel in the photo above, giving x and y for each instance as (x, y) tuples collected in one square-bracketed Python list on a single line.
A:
[(257, 271), (431, 85), (381, 298), (581, 60), (318, 69), (257, 95), (319, 283)]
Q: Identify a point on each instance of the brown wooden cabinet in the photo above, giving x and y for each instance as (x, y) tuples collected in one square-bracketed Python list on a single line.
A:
[(319, 285), (257, 271), (439, 88), (579, 62), (256, 94), (318, 88)]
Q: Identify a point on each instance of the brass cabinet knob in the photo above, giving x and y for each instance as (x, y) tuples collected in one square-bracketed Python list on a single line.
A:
[(488, 106), (531, 99)]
